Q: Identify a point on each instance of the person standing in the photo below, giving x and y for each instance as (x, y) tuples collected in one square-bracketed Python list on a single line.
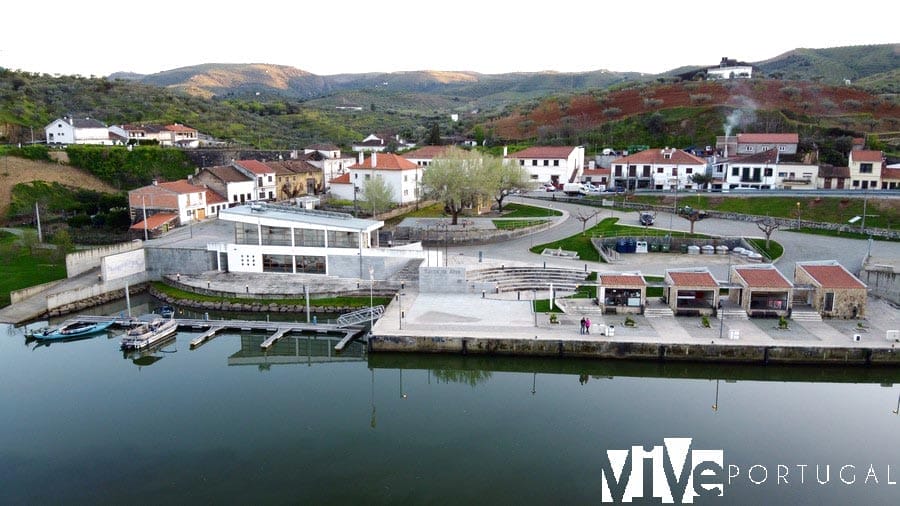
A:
[(581, 331), (587, 325)]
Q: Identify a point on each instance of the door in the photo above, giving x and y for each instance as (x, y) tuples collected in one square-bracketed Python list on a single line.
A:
[(201, 214), (829, 302)]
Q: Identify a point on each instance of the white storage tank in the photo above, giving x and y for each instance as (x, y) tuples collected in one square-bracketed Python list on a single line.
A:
[(693, 250), (708, 250), (722, 250)]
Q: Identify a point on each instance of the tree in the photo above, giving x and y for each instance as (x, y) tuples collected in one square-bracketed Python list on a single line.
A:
[(377, 195), (456, 179), (701, 179), (434, 138), (584, 215), (768, 225), (505, 178), (692, 215)]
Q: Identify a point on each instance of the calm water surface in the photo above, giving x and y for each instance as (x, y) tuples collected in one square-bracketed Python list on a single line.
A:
[(223, 424)]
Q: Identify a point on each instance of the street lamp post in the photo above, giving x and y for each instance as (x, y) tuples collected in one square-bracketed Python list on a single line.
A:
[(371, 298), (715, 406), (798, 215), (674, 205), (400, 301)]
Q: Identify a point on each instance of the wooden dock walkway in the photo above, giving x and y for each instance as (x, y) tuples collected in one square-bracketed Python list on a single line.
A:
[(212, 327)]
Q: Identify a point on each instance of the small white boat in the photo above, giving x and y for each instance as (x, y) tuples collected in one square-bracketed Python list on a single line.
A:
[(148, 333)]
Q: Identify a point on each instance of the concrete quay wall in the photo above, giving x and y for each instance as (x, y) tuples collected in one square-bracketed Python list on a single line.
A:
[(606, 349)]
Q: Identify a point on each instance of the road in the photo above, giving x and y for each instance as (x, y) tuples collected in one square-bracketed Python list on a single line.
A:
[(797, 247)]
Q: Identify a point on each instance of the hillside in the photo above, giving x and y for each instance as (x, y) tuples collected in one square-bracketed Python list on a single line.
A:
[(15, 170), (833, 65)]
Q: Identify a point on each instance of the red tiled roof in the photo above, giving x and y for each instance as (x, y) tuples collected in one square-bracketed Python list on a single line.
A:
[(544, 152), (256, 167), (426, 152), (832, 276), (155, 221), (323, 147), (763, 278), (289, 167), (836, 172), (865, 155), (700, 279), (890, 174), (386, 161), (658, 156), (342, 179), (768, 138), (214, 198), (179, 128), (767, 156), (622, 280), (227, 173), (597, 172), (181, 186)]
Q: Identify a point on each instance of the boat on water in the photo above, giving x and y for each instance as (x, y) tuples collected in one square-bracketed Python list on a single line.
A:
[(73, 329), (149, 332), (166, 311)]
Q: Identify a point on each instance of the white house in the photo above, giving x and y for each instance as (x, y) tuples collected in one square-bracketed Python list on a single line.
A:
[(262, 174), (290, 239), (166, 135), (402, 176), (865, 169), (660, 169), (764, 171), (180, 197), (425, 155), (730, 72), (551, 164), (377, 143), (68, 130), (328, 158), (236, 186)]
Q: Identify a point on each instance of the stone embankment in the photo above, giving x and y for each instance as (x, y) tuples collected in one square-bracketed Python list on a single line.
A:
[(252, 305), (94, 301)]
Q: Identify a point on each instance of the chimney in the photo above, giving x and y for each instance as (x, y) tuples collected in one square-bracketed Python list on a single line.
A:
[(374, 159), (362, 158), (155, 182), (190, 179)]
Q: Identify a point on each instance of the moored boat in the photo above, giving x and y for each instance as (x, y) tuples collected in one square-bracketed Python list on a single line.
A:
[(73, 329), (149, 332)]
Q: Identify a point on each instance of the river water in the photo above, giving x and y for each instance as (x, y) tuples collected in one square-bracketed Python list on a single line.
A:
[(81, 423)]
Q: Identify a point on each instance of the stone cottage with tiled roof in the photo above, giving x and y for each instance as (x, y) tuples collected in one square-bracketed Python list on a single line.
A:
[(550, 164), (621, 293), (296, 178), (182, 199), (691, 292), (831, 289), (763, 291), (236, 186), (660, 169)]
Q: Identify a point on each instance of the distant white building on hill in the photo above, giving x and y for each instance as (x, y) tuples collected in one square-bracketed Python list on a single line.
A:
[(68, 130)]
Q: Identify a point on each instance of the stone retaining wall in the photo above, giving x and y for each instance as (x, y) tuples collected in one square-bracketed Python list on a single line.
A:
[(252, 305), (730, 353)]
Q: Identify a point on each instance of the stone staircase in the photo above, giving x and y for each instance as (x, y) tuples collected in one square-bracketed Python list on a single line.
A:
[(410, 272), (580, 307), (658, 312), (805, 315), (510, 279), (732, 313)]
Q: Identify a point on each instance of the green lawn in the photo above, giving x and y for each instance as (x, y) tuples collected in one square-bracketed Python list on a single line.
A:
[(355, 302), (523, 211), (19, 268), (514, 224), (581, 243), (774, 251)]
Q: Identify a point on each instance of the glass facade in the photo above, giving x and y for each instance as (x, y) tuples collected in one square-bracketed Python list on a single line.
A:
[(277, 263), (246, 233), (310, 264), (343, 239), (276, 236), (309, 238)]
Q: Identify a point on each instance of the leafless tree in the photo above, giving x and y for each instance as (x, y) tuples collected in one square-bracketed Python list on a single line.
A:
[(584, 216), (768, 225)]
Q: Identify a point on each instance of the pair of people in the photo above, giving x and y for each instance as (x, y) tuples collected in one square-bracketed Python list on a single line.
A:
[(585, 325)]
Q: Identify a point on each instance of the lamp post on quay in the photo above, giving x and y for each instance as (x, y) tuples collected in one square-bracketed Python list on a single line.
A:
[(371, 299)]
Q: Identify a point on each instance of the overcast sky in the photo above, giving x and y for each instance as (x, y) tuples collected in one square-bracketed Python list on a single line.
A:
[(90, 37)]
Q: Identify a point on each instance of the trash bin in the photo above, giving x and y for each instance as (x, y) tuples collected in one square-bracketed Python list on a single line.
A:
[(856, 337), (664, 248), (684, 248), (621, 246)]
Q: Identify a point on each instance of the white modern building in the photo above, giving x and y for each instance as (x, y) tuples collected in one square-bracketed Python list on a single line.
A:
[(764, 171), (290, 239)]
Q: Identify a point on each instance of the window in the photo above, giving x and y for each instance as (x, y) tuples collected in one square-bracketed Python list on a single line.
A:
[(865, 168), (309, 238), (659, 170), (534, 163), (735, 171), (856, 183), (405, 178), (246, 233), (556, 163), (522, 163), (768, 172), (259, 181), (618, 171), (546, 163), (675, 171), (782, 174), (277, 263), (270, 179), (689, 170), (310, 264), (748, 148), (782, 148), (667, 156), (367, 177), (337, 239)]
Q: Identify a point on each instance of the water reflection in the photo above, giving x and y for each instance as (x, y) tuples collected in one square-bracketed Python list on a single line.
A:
[(150, 355), (305, 348)]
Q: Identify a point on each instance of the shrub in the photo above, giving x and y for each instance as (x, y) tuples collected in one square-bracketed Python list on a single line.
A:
[(701, 98), (852, 104), (705, 321), (790, 91), (652, 103), (610, 112)]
